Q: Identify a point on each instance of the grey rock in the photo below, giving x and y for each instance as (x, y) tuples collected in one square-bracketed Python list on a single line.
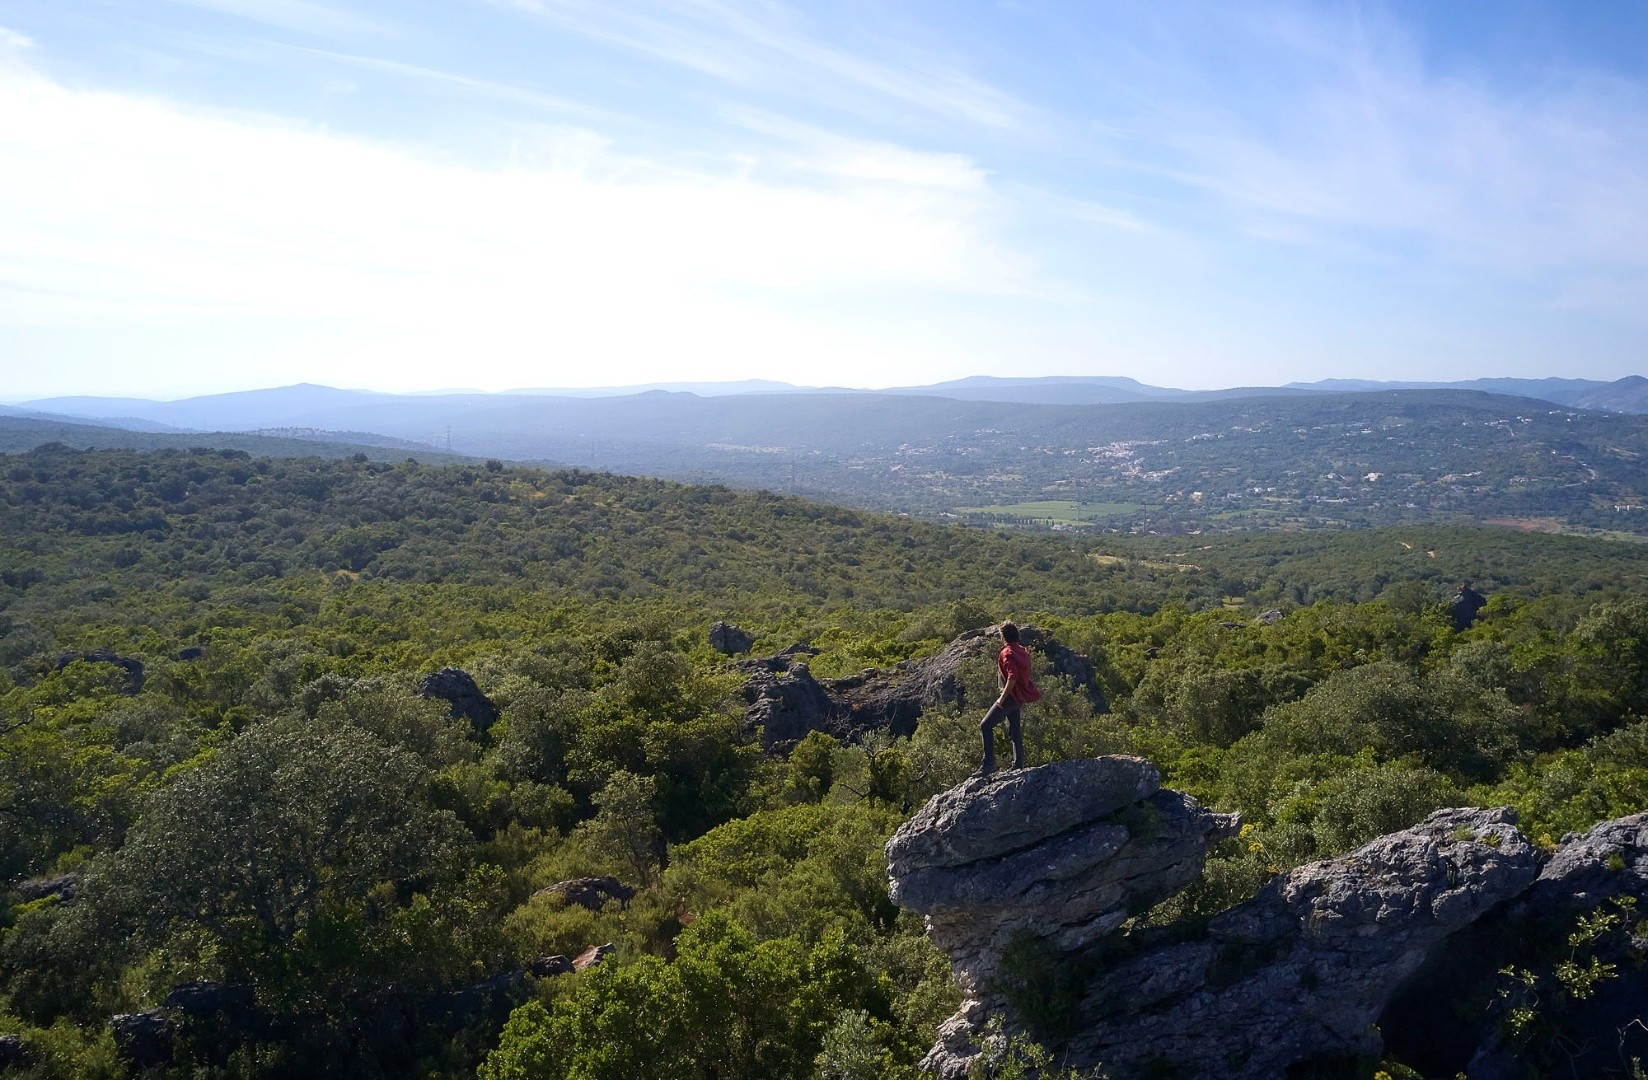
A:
[(592, 956), (1607, 860), (1464, 606), (205, 998), (986, 817), (730, 640), (131, 686), (458, 689), (590, 892), (1064, 854), (545, 967), (1308, 965), (1603, 869), (144, 1039), (62, 886), (786, 702), (12, 1051)]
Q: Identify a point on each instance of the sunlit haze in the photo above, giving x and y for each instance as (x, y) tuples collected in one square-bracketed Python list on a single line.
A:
[(211, 195)]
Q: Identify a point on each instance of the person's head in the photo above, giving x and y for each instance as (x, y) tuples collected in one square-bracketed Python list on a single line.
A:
[(1009, 633)]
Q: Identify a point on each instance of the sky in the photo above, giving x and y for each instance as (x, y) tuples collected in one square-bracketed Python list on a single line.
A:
[(208, 195)]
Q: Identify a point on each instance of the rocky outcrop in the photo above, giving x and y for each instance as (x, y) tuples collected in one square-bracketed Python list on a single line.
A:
[(143, 1039), (61, 886), (590, 892), (1058, 855), (13, 1051), (457, 688), (1464, 606), (1046, 864), (730, 640), (592, 956), (786, 702), (131, 685)]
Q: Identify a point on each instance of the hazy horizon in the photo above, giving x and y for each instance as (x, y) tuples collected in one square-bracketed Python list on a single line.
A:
[(206, 196)]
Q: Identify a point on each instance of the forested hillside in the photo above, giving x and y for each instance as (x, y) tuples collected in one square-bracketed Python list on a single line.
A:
[(271, 812), (1304, 461)]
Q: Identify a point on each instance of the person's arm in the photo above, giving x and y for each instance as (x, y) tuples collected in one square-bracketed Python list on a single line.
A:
[(1009, 685)]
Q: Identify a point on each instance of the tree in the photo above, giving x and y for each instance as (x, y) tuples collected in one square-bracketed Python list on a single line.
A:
[(625, 828), (286, 829)]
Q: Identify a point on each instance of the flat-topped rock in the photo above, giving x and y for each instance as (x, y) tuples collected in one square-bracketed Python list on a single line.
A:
[(988, 817)]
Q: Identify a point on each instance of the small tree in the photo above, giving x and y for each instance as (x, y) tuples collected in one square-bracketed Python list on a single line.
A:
[(625, 827)]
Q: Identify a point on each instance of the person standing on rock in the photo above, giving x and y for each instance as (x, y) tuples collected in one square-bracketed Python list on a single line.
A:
[(1016, 691)]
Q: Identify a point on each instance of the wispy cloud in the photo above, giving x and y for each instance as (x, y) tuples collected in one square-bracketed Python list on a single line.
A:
[(1347, 129), (142, 212), (307, 16), (768, 43), (484, 88)]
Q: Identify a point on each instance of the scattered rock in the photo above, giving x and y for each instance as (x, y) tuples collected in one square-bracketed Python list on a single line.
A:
[(204, 998), (730, 640), (592, 956), (1464, 606), (545, 967), (143, 1039), (62, 886), (590, 892), (457, 688), (786, 702), (1274, 615), (133, 684), (1060, 856)]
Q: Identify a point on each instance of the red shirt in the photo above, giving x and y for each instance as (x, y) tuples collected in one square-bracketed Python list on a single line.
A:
[(1015, 661)]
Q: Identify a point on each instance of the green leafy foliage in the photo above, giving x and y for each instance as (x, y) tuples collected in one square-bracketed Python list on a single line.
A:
[(276, 805)]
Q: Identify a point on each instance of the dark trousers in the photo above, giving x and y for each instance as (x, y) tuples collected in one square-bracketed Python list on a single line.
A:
[(987, 727)]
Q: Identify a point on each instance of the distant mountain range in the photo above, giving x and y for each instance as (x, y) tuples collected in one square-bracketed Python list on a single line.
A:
[(277, 407), (1076, 452)]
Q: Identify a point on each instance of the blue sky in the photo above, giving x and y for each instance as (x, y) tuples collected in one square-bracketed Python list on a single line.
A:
[(201, 195)]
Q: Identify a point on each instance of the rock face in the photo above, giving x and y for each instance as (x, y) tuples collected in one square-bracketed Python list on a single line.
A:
[(1464, 606), (133, 684), (62, 886), (457, 688), (590, 892), (1059, 856), (592, 956), (1061, 853), (730, 640), (786, 701)]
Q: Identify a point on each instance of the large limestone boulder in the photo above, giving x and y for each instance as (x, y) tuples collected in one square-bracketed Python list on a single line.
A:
[(1306, 967), (459, 690), (1063, 854), (786, 701)]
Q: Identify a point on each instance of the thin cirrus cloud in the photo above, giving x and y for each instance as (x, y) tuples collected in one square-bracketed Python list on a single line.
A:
[(305, 16), (1348, 135), (143, 210), (767, 44)]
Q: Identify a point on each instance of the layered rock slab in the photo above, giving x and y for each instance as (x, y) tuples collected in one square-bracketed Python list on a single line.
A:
[(1062, 853), (786, 702), (1065, 853), (1308, 965)]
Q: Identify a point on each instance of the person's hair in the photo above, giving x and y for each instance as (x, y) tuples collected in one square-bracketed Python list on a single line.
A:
[(1009, 633)]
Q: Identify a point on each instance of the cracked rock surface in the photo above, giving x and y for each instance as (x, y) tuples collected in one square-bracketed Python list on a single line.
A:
[(1062, 854)]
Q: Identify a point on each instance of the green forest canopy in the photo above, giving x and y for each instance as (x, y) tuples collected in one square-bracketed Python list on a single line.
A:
[(284, 610)]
